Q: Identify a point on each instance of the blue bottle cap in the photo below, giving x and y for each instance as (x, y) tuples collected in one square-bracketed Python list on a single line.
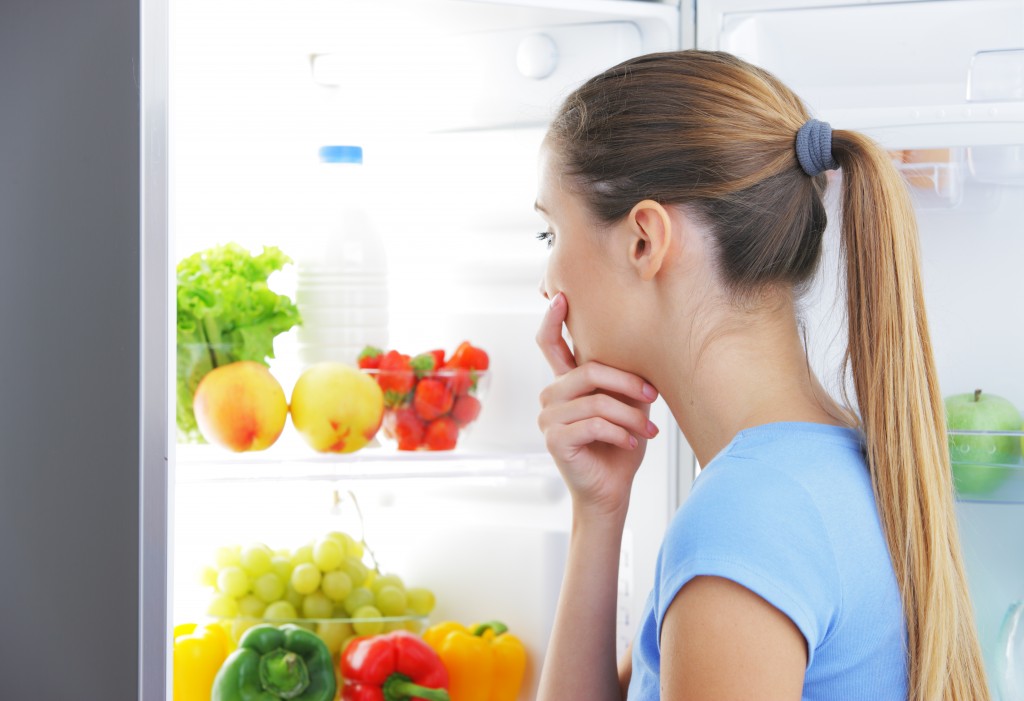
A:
[(341, 154)]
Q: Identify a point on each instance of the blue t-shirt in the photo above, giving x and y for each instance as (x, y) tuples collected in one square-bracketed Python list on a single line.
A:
[(786, 510)]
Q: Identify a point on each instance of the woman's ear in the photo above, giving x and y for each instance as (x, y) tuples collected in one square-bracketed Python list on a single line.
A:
[(650, 237)]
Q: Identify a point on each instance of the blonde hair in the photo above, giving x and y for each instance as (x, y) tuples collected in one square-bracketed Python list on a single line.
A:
[(712, 132)]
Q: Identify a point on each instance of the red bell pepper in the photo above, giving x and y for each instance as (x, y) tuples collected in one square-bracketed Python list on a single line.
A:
[(396, 666)]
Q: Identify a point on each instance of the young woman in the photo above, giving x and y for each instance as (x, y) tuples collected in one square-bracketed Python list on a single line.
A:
[(817, 555)]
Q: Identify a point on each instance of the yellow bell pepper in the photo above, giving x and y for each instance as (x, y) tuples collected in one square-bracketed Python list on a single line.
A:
[(199, 651), (484, 664)]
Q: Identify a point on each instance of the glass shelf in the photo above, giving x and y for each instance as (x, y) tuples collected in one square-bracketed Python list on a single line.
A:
[(204, 463)]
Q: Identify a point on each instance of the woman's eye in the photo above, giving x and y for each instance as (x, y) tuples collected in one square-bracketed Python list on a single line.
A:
[(546, 236)]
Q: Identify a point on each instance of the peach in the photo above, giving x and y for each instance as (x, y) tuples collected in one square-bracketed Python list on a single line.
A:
[(336, 408), (240, 406)]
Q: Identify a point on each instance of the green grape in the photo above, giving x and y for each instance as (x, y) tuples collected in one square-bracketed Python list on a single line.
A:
[(334, 634), (413, 626), (359, 598), (364, 623), (346, 541), (280, 611), (386, 580), (268, 587), (327, 554), (228, 556), (293, 597), (256, 560), (251, 606), (283, 552), (421, 601), (339, 610), (233, 581), (355, 549), (391, 600), (282, 566), (306, 578), (317, 605), (336, 585), (302, 554), (208, 576), (391, 626), (223, 606), (355, 570)]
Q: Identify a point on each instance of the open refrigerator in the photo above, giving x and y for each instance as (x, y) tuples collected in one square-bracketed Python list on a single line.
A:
[(449, 100)]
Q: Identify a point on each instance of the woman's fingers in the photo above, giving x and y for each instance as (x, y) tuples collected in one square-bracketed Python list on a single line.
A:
[(593, 377), (565, 439), (550, 340), (602, 406)]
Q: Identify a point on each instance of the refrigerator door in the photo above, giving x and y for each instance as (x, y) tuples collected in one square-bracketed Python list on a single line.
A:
[(941, 86), (71, 535)]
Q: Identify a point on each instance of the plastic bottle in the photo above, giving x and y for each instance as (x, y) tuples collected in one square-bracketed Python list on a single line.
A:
[(342, 288)]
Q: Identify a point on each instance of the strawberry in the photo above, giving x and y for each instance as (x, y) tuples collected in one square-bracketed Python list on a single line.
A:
[(369, 358), (460, 381), (441, 434), (407, 428), (395, 377), (432, 399), (470, 357), (465, 410), (423, 364), (438, 357)]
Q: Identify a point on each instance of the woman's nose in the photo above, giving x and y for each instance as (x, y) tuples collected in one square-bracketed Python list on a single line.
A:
[(542, 290)]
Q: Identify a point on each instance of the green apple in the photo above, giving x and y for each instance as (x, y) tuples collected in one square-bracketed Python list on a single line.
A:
[(981, 462)]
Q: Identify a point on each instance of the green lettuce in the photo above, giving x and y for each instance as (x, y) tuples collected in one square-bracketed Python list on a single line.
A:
[(226, 313)]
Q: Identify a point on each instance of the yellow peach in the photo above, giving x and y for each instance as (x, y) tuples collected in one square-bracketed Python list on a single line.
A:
[(240, 406), (336, 408)]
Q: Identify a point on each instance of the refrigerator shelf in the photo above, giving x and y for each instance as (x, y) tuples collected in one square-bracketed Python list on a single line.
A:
[(987, 466), (196, 463)]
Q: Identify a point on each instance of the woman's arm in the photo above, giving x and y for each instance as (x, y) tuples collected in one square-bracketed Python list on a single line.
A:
[(595, 423), (719, 640)]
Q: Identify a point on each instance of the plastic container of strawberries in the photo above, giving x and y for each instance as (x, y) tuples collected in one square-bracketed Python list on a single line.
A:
[(429, 402)]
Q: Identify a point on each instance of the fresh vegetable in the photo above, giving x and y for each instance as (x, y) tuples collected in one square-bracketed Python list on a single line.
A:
[(486, 663), (199, 652), (393, 667), (286, 662), (225, 313)]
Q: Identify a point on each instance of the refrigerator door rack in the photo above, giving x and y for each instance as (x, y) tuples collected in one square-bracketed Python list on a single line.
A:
[(987, 466)]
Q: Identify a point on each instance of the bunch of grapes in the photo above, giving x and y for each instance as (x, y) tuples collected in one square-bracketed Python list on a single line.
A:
[(324, 585)]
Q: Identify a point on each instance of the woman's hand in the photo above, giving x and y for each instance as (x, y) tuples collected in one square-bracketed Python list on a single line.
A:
[(595, 421)]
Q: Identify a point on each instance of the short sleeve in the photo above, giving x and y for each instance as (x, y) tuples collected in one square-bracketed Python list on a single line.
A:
[(757, 526)]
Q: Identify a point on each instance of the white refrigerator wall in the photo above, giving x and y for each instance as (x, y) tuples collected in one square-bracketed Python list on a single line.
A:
[(449, 101)]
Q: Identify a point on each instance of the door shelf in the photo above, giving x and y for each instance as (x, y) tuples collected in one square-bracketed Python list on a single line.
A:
[(987, 466), (200, 463)]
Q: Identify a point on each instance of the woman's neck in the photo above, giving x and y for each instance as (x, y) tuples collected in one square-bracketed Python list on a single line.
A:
[(749, 371)]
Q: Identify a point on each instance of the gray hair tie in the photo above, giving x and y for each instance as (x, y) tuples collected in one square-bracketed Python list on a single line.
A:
[(814, 147)]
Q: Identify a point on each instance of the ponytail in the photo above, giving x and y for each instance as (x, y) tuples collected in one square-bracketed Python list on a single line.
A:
[(904, 423)]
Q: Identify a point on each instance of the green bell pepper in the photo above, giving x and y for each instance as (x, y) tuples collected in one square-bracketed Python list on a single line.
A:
[(272, 663)]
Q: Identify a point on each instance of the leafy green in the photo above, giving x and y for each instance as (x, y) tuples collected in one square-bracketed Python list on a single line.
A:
[(226, 313)]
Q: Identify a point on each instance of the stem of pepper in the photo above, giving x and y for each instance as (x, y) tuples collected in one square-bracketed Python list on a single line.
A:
[(398, 687)]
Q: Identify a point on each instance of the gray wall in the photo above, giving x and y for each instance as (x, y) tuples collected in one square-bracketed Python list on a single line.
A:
[(69, 224)]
